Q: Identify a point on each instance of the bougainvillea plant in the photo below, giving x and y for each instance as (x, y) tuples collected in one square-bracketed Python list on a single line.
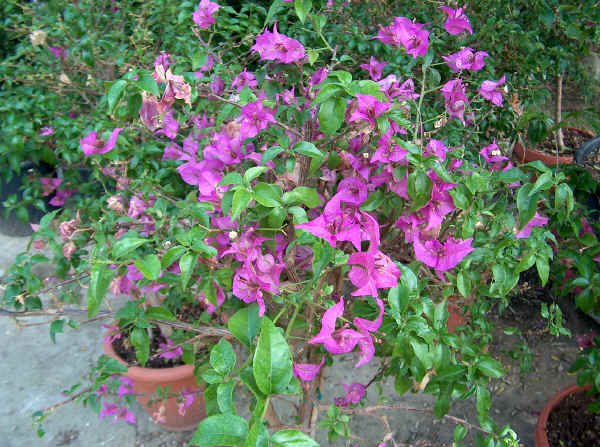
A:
[(309, 213)]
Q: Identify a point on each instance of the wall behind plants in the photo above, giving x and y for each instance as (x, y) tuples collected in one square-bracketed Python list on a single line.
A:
[(41, 85), (60, 57)]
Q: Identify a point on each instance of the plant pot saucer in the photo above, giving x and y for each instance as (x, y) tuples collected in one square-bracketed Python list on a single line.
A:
[(526, 155)]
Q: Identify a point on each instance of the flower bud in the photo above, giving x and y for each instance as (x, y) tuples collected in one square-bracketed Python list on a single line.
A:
[(67, 228), (38, 37), (64, 79), (68, 249), (232, 234), (115, 203)]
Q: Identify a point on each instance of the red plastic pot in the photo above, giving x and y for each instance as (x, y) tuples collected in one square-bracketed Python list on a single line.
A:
[(145, 380), (525, 155), (541, 438)]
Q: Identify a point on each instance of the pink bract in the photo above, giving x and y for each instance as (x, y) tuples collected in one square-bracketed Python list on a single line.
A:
[(203, 16), (457, 20), (91, 144), (492, 90), (273, 46), (307, 371)]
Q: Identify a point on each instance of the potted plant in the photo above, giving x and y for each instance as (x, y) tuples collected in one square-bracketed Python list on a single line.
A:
[(572, 416), (295, 211)]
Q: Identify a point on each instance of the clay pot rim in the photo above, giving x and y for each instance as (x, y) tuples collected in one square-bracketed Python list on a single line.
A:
[(157, 374), (549, 159), (541, 438)]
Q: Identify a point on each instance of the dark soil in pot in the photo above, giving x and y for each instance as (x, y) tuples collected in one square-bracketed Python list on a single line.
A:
[(572, 137), (570, 424), (127, 352), (189, 312)]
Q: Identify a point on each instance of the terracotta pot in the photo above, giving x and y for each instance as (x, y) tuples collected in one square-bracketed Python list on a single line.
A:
[(455, 316), (145, 380), (523, 155), (541, 438)]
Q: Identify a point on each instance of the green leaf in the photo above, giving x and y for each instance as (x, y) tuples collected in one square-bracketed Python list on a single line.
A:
[(186, 265), (463, 282), (247, 376), (241, 199), (421, 351), (542, 183), (56, 327), (441, 405), (114, 93), (398, 298), (272, 363), (308, 149), (211, 376), (419, 187), (225, 397), (141, 342), (47, 219), (273, 10), (160, 313), (563, 197), (526, 262), (222, 357), (459, 433), (147, 83), (149, 266), (321, 256), (402, 383), (221, 429), (374, 201), (450, 373), (332, 114), (461, 196), (245, 324), (100, 277), (526, 204), (543, 268), (254, 172), (328, 91), (440, 315), (171, 255), (267, 195), (484, 401), (302, 9), (313, 55), (270, 154), (490, 367), (258, 436), (302, 194), (126, 245), (233, 178), (210, 399), (292, 437)]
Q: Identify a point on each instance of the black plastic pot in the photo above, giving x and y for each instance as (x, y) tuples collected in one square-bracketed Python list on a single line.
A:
[(587, 150), (11, 225)]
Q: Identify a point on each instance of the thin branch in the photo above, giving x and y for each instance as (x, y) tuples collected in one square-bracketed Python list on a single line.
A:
[(370, 409), (279, 123)]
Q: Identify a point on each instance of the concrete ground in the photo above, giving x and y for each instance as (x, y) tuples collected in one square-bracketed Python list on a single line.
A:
[(33, 372)]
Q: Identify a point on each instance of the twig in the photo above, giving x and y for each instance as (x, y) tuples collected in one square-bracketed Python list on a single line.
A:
[(279, 123), (380, 407), (66, 401)]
